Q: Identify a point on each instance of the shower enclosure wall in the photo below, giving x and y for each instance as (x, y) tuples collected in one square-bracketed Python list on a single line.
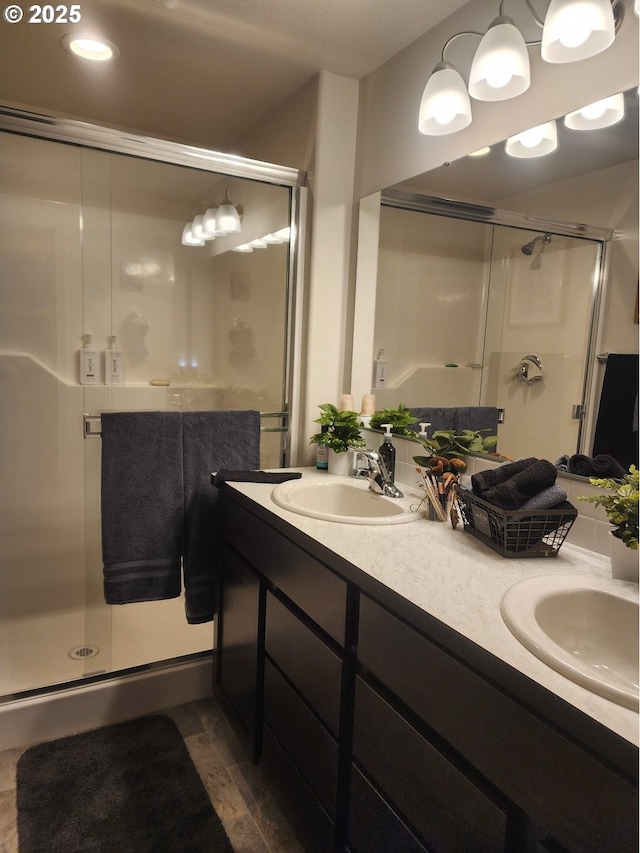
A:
[(91, 253)]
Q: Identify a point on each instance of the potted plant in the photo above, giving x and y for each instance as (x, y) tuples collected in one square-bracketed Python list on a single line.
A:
[(621, 507), (447, 444), (400, 420), (342, 434)]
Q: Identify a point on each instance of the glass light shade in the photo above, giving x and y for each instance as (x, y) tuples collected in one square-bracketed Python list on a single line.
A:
[(196, 227), (600, 114), (258, 243), (272, 239), (227, 217), (188, 238), (284, 234), (500, 67), (445, 105), (577, 29), (209, 224), (243, 247), (535, 142)]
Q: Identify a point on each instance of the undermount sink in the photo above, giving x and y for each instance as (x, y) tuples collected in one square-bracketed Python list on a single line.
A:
[(342, 499), (586, 628)]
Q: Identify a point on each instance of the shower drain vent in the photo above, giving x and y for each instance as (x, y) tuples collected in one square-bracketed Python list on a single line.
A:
[(82, 652)]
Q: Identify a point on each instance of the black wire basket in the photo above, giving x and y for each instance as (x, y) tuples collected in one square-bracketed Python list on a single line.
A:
[(516, 533)]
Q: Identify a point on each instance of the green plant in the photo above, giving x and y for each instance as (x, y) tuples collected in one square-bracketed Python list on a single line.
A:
[(621, 505), (400, 420), (446, 443), (343, 429)]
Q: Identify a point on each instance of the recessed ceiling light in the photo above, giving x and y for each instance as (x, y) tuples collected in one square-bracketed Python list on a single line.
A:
[(88, 47)]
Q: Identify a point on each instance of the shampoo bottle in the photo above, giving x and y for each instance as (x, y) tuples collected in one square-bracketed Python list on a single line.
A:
[(89, 364), (322, 452), (114, 364), (388, 452)]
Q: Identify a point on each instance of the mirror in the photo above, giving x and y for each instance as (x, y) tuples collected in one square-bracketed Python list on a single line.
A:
[(455, 284)]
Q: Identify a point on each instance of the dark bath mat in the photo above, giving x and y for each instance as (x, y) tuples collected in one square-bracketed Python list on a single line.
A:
[(124, 788)]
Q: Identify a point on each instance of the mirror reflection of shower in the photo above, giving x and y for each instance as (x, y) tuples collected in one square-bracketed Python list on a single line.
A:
[(529, 248)]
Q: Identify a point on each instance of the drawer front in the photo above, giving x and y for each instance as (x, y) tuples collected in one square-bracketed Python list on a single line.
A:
[(309, 746), (308, 583), (309, 821), (448, 811), (373, 825), (312, 666), (577, 800)]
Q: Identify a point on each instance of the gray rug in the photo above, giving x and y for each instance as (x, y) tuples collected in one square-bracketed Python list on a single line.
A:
[(125, 788)]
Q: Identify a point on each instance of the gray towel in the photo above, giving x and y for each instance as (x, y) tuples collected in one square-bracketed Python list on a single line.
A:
[(483, 419), (212, 441), (546, 499), (141, 505)]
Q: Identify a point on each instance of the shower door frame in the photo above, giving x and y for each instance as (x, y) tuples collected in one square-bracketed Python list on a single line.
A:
[(49, 127)]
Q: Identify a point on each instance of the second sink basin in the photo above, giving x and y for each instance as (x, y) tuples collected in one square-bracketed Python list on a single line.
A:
[(584, 627), (342, 499)]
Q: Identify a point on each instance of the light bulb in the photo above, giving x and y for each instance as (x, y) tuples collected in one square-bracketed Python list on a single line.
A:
[(531, 138), (533, 142), (498, 76), (95, 49)]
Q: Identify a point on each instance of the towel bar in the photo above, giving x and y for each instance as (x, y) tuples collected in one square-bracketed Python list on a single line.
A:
[(91, 424)]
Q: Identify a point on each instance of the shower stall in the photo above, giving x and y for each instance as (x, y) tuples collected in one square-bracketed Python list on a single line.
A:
[(91, 248)]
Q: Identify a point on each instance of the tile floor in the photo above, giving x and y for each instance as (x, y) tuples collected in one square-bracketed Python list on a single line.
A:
[(251, 818)]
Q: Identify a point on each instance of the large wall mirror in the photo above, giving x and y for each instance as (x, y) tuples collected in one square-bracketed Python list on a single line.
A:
[(496, 265)]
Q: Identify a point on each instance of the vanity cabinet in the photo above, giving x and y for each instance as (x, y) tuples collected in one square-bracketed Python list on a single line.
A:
[(382, 731)]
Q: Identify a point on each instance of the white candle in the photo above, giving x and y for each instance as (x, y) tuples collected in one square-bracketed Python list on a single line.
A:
[(346, 403), (368, 404)]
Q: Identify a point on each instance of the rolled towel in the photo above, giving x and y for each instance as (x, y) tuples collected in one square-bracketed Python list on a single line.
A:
[(580, 464), (562, 463), (517, 490), (546, 499), (485, 480), (604, 465), (224, 475)]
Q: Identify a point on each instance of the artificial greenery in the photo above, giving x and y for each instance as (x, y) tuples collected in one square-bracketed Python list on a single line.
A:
[(400, 420), (445, 443), (621, 505), (343, 430)]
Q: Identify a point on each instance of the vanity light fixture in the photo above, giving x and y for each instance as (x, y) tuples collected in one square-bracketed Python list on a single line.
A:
[(500, 68), (573, 30), (445, 106), (188, 237), (595, 116), (534, 142), (227, 217), (90, 47)]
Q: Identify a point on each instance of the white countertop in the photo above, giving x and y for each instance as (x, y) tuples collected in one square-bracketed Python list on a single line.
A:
[(459, 581)]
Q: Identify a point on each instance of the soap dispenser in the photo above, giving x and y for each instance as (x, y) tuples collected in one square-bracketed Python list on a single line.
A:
[(423, 430), (388, 452)]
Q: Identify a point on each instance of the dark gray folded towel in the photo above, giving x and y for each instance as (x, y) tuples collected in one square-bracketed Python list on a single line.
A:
[(517, 490), (225, 475), (546, 499), (605, 466), (212, 441), (141, 505), (485, 480), (580, 464)]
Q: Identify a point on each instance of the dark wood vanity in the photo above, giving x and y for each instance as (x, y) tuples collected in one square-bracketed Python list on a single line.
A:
[(381, 729)]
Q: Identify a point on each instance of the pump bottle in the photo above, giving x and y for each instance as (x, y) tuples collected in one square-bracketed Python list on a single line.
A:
[(322, 452), (388, 452)]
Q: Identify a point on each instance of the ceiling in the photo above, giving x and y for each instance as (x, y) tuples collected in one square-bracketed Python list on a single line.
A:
[(204, 71)]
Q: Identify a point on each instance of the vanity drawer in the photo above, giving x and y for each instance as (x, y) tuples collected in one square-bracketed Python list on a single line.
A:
[(448, 811), (308, 583), (307, 743), (570, 794), (373, 825), (311, 665)]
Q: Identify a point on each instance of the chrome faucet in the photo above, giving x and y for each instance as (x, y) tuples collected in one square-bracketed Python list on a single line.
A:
[(376, 471)]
